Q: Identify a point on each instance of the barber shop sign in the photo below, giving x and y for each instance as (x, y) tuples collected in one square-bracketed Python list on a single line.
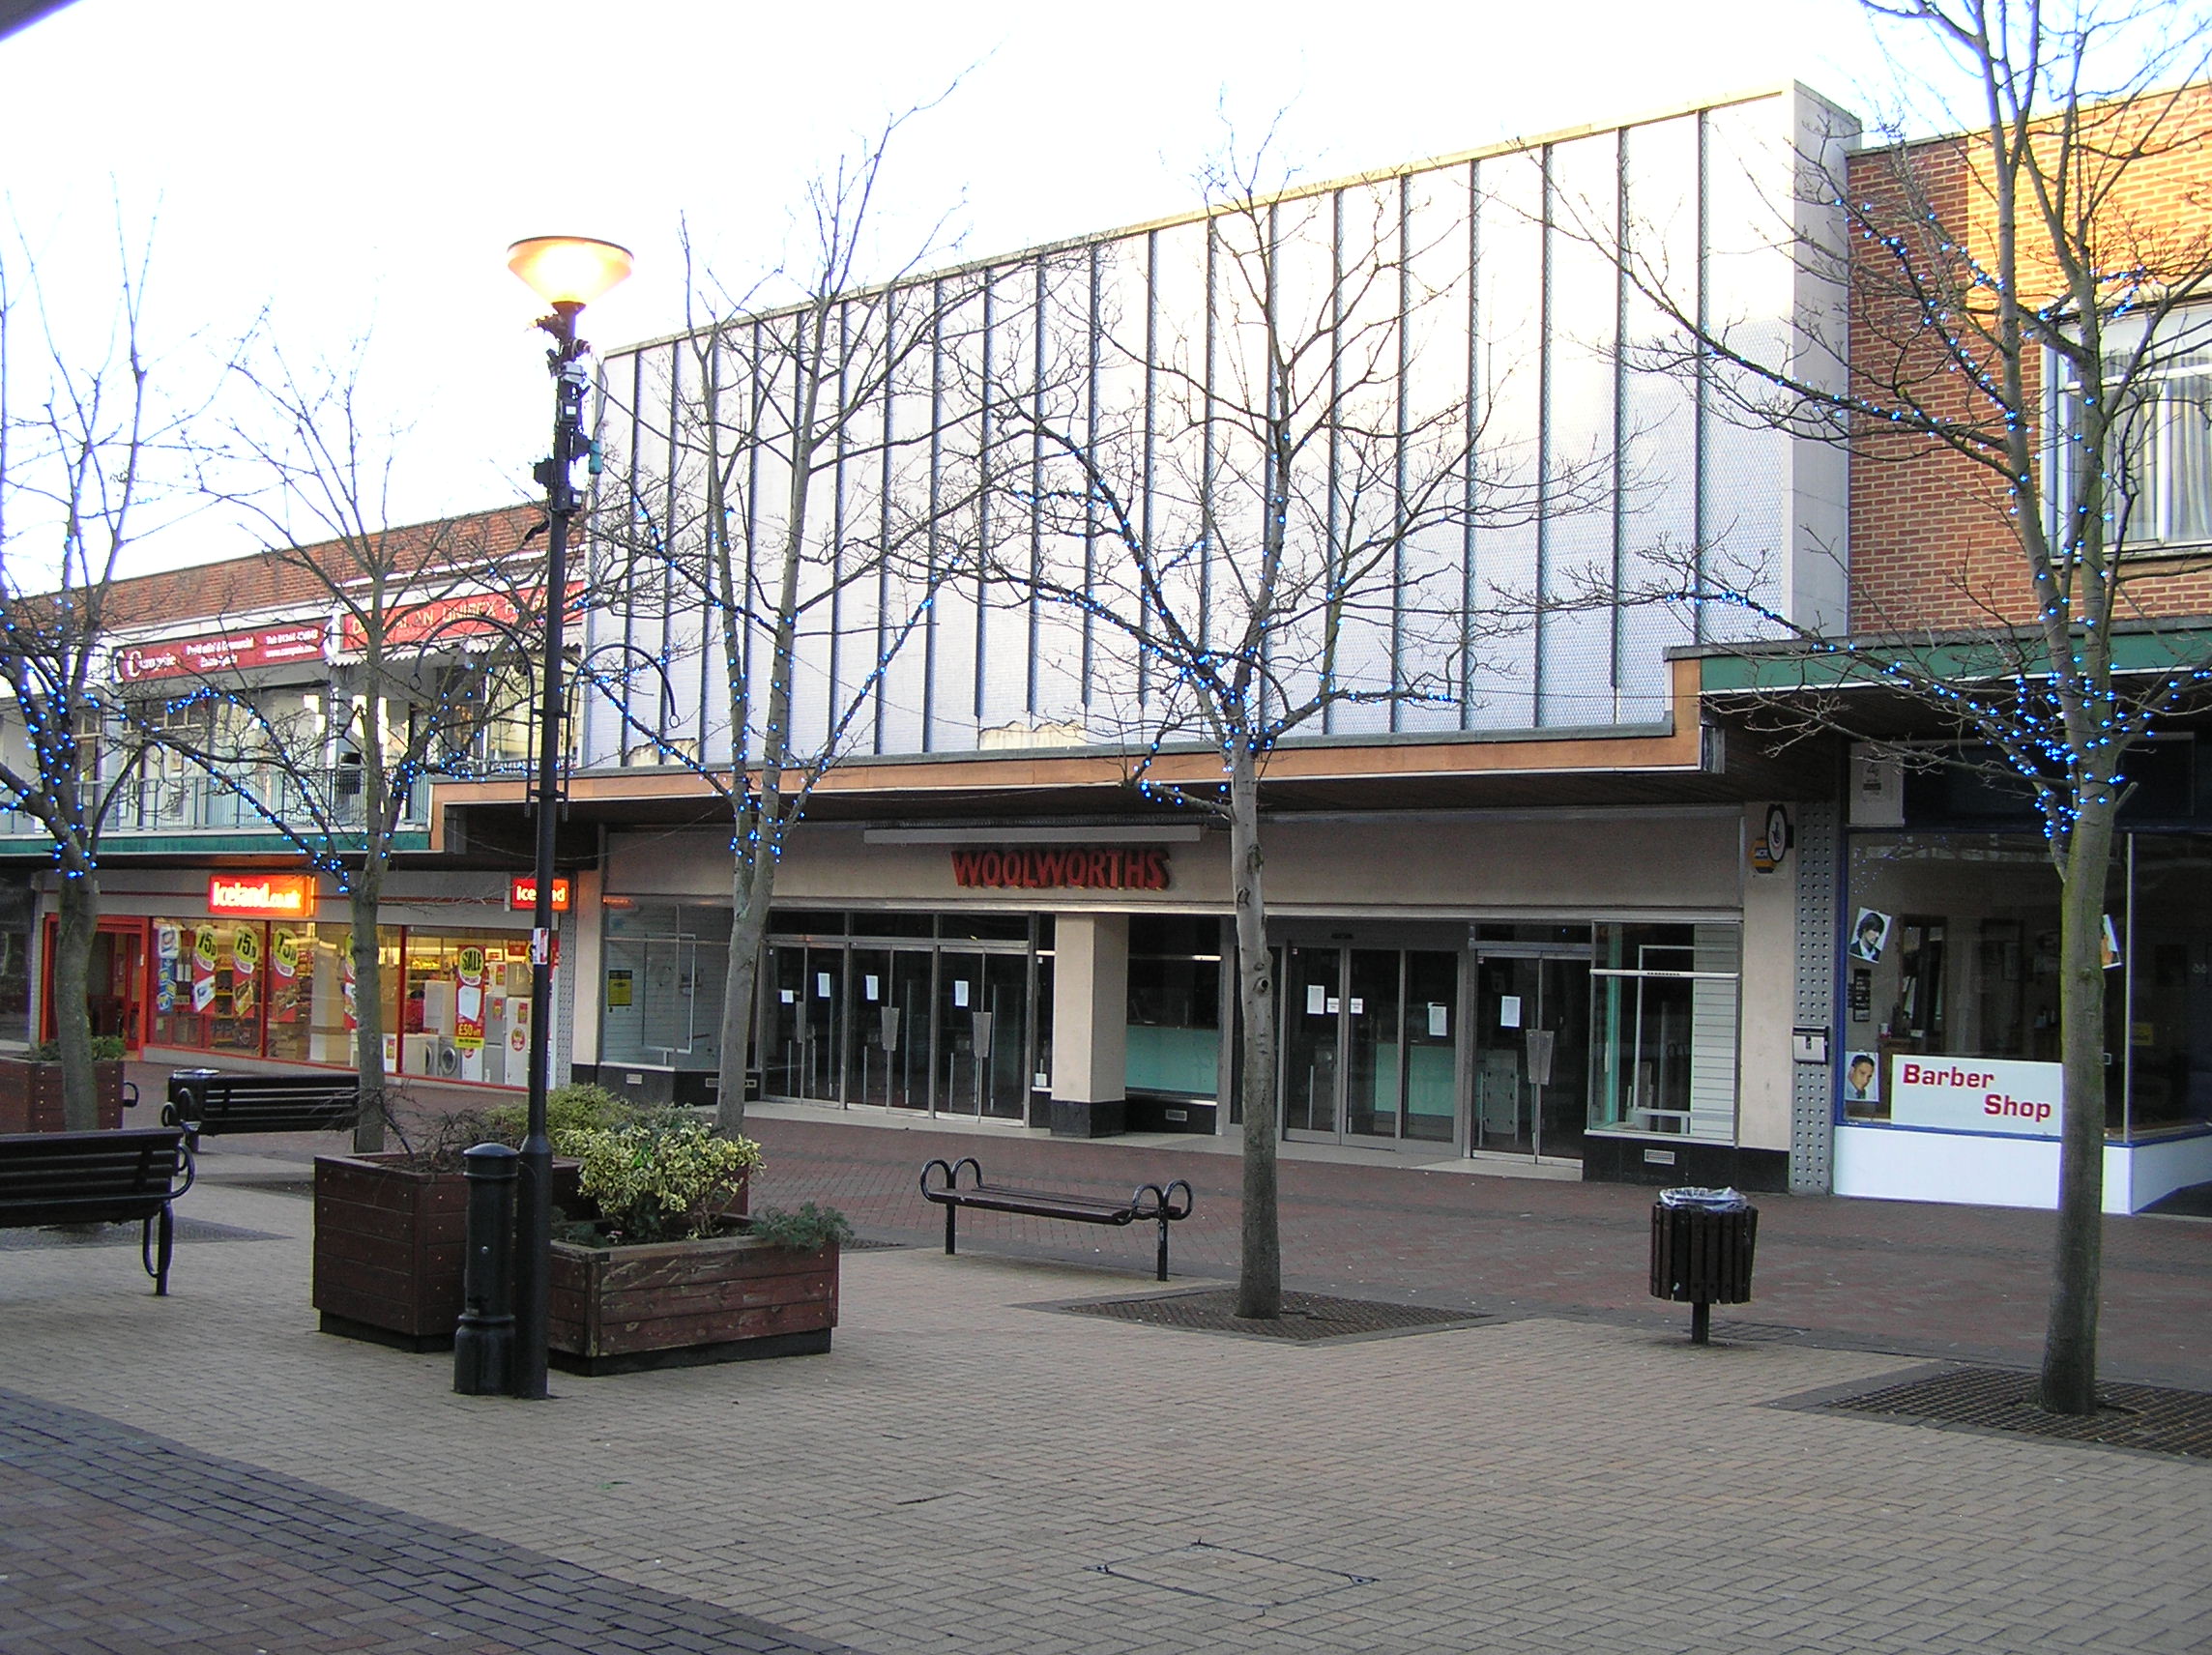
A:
[(1977, 1094)]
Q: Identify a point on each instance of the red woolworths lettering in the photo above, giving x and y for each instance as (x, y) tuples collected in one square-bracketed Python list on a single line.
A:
[(1084, 869)]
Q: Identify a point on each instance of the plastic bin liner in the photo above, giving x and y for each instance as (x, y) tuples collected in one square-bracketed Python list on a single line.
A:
[(1704, 1200)]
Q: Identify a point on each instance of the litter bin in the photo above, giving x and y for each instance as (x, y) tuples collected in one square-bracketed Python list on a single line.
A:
[(1701, 1246)]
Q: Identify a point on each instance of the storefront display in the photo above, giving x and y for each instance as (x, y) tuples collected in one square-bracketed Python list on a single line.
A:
[(1948, 1075)]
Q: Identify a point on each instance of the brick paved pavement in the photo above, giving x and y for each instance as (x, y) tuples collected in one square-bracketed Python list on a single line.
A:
[(964, 1473), (1970, 1283), (115, 1539)]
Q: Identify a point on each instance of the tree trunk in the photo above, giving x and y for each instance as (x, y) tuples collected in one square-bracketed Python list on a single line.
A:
[(1259, 1270), (72, 1010), (368, 1010), (749, 896), (2070, 1340)]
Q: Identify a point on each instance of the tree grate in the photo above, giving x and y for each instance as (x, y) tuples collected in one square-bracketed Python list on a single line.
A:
[(2150, 1417), (1307, 1319)]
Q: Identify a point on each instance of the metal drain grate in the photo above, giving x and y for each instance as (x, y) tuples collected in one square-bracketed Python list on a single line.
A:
[(2148, 1417), (1307, 1318)]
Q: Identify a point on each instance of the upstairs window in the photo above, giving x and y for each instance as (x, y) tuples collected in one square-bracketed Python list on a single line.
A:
[(2158, 460)]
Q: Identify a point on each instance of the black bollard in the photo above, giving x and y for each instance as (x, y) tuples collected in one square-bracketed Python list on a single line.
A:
[(483, 1344)]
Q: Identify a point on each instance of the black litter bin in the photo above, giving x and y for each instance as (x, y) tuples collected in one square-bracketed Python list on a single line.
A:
[(1702, 1242)]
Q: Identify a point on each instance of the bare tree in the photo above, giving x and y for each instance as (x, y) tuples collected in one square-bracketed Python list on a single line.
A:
[(79, 444), (1260, 531), (2013, 301), (787, 510), (432, 658)]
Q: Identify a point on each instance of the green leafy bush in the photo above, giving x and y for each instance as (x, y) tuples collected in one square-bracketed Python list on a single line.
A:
[(569, 1110), (662, 1178), (105, 1049), (808, 1230)]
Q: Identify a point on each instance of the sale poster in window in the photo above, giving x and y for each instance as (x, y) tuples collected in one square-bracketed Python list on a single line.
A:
[(203, 971), (284, 977), (468, 998), (245, 970)]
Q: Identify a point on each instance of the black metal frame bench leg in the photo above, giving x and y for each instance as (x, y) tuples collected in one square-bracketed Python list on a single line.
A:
[(950, 1214), (157, 1245), (1163, 1274)]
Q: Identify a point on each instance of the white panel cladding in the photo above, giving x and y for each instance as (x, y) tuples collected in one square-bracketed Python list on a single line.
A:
[(985, 441), (1713, 1002)]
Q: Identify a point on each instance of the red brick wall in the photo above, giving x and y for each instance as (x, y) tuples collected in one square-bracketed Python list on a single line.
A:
[(1932, 544)]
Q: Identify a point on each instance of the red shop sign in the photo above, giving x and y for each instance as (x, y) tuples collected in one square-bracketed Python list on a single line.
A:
[(223, 651), (262, 896), (1086, 868), (522, 893)]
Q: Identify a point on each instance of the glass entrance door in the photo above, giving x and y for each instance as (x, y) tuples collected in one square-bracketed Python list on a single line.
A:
[(1531, 1060), (1370, 1044), (982, 1035), (809, 1022)]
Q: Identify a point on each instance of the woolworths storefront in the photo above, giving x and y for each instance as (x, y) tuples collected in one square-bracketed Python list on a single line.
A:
[(1564, 986)]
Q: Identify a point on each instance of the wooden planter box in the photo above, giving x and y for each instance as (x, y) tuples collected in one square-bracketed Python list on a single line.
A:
[(31, 1095), (677, 1303), (389, 1244)]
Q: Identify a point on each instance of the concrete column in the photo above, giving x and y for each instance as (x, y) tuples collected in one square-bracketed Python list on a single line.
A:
[(1090, 1024)]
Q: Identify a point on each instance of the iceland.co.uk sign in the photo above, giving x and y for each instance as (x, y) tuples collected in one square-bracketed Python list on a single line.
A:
[(1977, 1094), (1139, 867)]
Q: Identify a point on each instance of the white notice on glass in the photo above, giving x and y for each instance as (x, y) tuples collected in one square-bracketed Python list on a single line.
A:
[(1358, 1007), (1438, 1027), (959, 992), (1314, 992), (1332, 1004), (869, 987), (1508, 1011), (788, 996), (820, 985)]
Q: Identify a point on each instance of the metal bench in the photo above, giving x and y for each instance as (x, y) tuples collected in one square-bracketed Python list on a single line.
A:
[(212, 1102), (99, 1178), (1147, 1203)]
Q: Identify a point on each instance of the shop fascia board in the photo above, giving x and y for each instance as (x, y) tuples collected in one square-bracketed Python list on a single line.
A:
[(1675, 747), (1818, 669), (117, 842)]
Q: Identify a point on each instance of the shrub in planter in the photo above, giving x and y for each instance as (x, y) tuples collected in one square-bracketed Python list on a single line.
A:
[(31, 1086), (391, 1229), (665, 1276)]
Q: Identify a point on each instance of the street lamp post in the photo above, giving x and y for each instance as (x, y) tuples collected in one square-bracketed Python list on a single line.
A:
[(567, 273)]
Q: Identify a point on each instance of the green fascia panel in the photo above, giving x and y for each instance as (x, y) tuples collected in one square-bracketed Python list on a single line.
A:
[(1817, 669), (117, 845)]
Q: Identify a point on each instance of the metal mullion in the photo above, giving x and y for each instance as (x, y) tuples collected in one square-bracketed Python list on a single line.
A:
[(837, 524), (1700, 460), (1473, 425), (1089, 504), (936, 458), (884, 523), (1618, 627), (1543, 441), (1037, 484), (984, 433), (1398, 457), (1335, 527), (667, 564)]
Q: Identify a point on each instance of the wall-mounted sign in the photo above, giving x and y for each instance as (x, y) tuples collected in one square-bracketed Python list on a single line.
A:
[(466, 614), (1977, 1094), (1042, 867), (223, 651), (1772, 843), (262, 896), (522, 893)]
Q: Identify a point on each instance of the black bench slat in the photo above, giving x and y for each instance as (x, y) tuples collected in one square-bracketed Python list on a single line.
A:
[(212, 1102), (99, 1178), (1149, 1203)]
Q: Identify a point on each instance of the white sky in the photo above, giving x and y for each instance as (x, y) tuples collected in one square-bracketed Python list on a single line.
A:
[(360, 169)]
